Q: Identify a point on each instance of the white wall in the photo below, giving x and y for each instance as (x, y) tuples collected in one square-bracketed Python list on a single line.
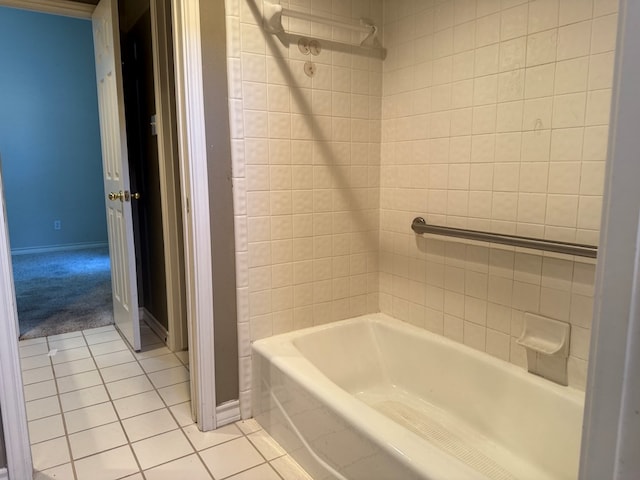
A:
[(495, 117), (485, 114)]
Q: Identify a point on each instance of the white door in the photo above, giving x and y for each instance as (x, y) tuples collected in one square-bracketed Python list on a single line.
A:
[(116, 170)]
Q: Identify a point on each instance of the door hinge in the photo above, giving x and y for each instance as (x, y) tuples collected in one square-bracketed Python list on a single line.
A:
[(187, 205)]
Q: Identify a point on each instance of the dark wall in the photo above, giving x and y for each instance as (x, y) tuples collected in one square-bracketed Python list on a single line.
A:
[(144, 168), (3, 455), (214, 65)]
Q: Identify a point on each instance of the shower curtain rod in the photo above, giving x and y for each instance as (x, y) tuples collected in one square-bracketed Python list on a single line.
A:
[(273, 14), (419, 225)]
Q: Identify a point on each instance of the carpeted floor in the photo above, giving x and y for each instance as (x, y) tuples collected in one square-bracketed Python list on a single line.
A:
[(62, 291)]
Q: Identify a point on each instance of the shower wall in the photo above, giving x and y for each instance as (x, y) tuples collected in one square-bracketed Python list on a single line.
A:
[(306, 168), (495, 117)]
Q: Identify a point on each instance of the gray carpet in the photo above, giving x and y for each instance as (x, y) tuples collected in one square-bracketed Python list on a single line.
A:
[(62, 292)]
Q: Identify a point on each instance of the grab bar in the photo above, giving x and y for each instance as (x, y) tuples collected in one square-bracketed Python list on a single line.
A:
[(420, 225)]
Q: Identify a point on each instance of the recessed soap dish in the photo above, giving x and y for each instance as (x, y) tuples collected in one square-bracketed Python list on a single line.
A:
[(545, 335)]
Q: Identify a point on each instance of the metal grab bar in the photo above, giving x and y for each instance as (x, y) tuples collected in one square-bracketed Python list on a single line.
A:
[(420, 225)]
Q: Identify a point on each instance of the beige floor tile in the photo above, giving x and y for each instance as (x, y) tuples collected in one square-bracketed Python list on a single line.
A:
[(202, 440), (248, 426), (70, 355), (96, 440), (230, 458), (151, 351), (83, 398), (108, 347), (97, 330), (289, 469), (114, 358), (63, 336), (135, 476), (190, 467), (138, 404), (63, 472), (73, 368), (36, 375), (37, 361), (90, 417), (110, 465), (122, 371), (50, 453), (183, 356), (182, 413), (171, 376), (79, 381), (32, 341), (149, 424), (46, 429), (129, 386), (266, 445), (162, 362), (38, 390), (175, 394), (31, 350), (102, 337), (67, 343), (43, 407), (262, 472), (161, 449)]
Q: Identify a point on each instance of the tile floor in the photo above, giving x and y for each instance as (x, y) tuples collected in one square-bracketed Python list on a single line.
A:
[(99, 411)]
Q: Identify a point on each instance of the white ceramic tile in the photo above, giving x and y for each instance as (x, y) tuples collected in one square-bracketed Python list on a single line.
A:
[(161, 449), (175, 394), (109, 465), (37, 361), (46, 429), (35, 391), (182, 413), (43, 407), (83, 398), (120, 372), (74, 367), (289, 469), (162, 362), (63, 472), (202, 440), (115, 358), (188, 467), (36, 375), (50, 453), (95, 440), (149, 424), (79, 381), (152, 351), (108, 347), (69, 355), (138, 404), (99, 330), (261, 472), (231, 458), (67, 343), (90, 417), (33, 349), (129, 386), (266, 445), (32, 341), (102, 337)]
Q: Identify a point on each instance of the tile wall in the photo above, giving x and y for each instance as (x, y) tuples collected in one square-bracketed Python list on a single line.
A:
[(306, 167), (484, 114), (495, 117)]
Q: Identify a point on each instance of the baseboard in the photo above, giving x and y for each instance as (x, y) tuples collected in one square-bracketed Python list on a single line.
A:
[(4, 474), (57, 248), (154, 324), (228, 412)]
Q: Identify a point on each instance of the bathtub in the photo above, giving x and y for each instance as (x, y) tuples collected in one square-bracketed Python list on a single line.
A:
[(375, 398)]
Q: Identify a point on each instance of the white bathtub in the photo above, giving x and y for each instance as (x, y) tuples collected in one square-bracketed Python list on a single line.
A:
[(375, 398)]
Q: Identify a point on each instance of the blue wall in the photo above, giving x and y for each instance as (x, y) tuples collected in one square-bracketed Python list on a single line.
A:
[(49, 130)]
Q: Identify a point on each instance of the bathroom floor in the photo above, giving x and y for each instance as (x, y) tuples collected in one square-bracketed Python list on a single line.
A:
[(99, 411)]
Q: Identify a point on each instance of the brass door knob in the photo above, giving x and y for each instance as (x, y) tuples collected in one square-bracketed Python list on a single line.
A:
[(113, 196), (135, 196)]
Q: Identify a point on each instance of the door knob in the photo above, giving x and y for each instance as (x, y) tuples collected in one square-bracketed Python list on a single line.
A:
[(113, 196), (123, 196), (135, 196)]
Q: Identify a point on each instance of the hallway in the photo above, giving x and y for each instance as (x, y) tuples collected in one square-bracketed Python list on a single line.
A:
[(99, 411)]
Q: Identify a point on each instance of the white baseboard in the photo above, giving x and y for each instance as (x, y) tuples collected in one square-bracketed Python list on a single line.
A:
[(154, 324), (57, 248), (228, 412)]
